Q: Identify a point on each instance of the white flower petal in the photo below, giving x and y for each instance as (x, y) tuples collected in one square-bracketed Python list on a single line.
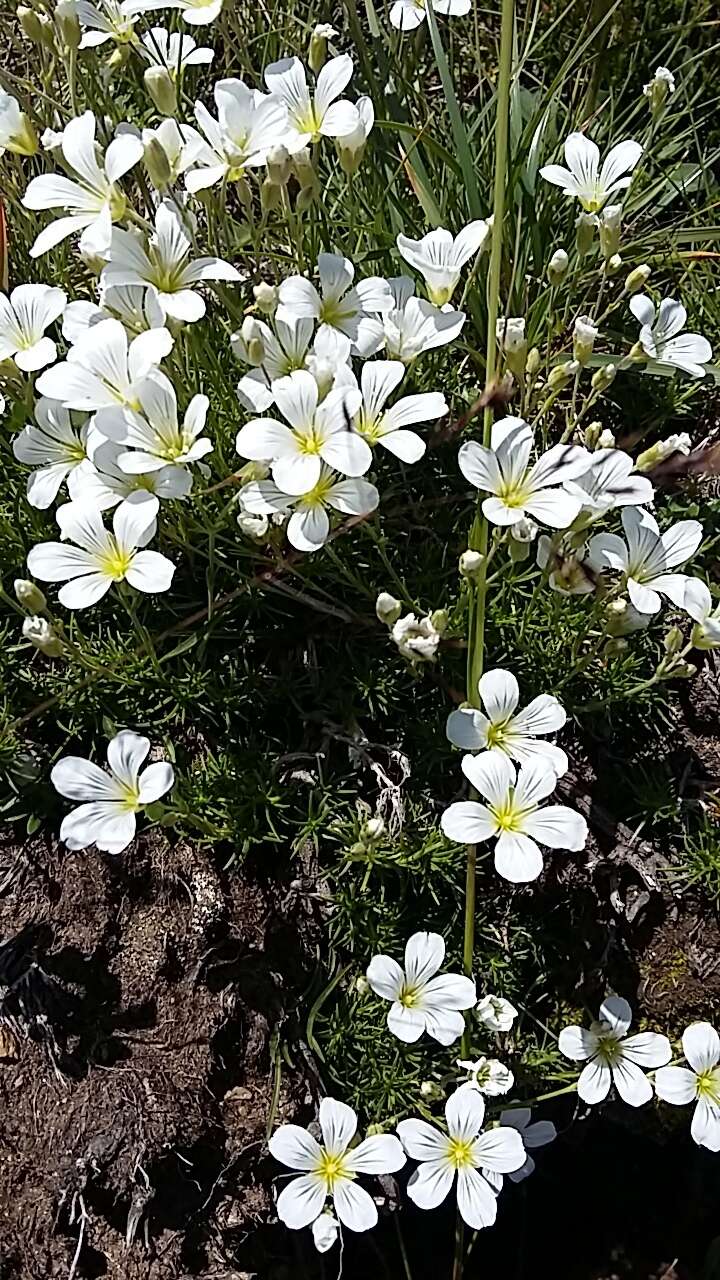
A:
[(517, 858), (424, 953), (301, 1201), (705, 1125), (476, 1202), (577, 1043), (295, 1147), (676, 1085), (631, 1083), (421, 1140), (380, 1154), (385, 977), (338, 1123), (594, 1083), (155, 781), (467, 822), (701, 1046), (431, 1182), (354, 1207)]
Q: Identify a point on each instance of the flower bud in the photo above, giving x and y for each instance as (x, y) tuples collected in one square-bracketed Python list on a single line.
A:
[(161, 87), (266, 298), (606, 439), (361, 985), (585, 233), (637, 279), (603, 377), (532, 363), (591, 435), (252, 336), (560, 375), (317, 51), (303, 166), (118, 57), (30, 596), (610, 226), (33, 25), (374, 829), (253, 526), (305, 198), (41, 633), (510, 333), (471, 563), (431, 1091), (613, 264), (157, 164), (253, 471), (584, 335), (439, 619), (387, 608), (615, 646), (67, 24), (658, 90), (17, 132), (279, 165), (557, 267), (673, 640), (270, 195), (649, 458)]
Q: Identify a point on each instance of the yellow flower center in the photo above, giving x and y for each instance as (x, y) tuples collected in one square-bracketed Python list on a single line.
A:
[(309, 121), (460, 1153), (609, 1049), (117, 202), (372, 429), (310, 441), (496, 734), (708, 1084), (332, 312), (116, 561), (408, 996), (331, 1168), (513, 495)]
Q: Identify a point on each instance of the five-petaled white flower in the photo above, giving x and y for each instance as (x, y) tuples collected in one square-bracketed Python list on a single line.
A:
[(406, 15), (387, 427), (317, 433), (440, 257), (106, 817), (103, 372), (422, 1001), (504, 729), (100, 558), (338, 304), (164, 265), (331, 1169), (613, 1057), (536, 1134), (698, 602), (610, 481), (24, 317), (647, 557), (151, 432), (496, 1013), (513, 814), (101, 481), (488, 1076), (415, 325), (54, 446), (277, 354), (248, 126), (91, 197), (662, 339), (463, 1152), (516, 488), (584, 180), (174, 51), (135, 306), (320, 115), (309, 524), (699, 1083)]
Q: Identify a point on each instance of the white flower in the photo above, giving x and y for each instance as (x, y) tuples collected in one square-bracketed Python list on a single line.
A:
[(331, 1169), (518, 489), (538, 1134), (277, 354), (16, 132), (164, 265), (647, 557), (387, 427), (174, 51), (54, 446), (422, 1002), (662, 340), (350, 146), (613, 1057), (150, 430), (406, 15), (584, 180), (488, 1076), (99, 557), (325, 1230), (662, 449), (339, 305), (198, 13), (249, 125), (105, 20), (92, 198), (698, 603), (311, 118), (610, 481), (496, 1013), (107, 816), (317, 433), (440, 257), (41, 633), (661, 76), (699, 1084), (416, 638), (103, 372), (414, 325), (24, 317), (461, 1152), (309, 526), (506, 730), (513, 814), (387, 608), (101, 481), (180, 144)]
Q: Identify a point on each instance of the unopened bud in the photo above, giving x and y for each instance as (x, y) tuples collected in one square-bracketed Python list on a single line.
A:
[(317, 51), (157, 164), (32, 25), (118, 57), (585, 233), (471, 563), (279, 165), (361, 985), (560, 375), (673, 640), (30, 596), (305, 198), (610, 226), (374, 828), (67, 24), (161, 87), (532, 363), (510, 333), (252, 335), (615, 646), (591, 435), (42, 635), (266, 298), (557, 267), (613, 264), (387, 608), (603, 377), (439, 619), (659, 89), (584, 335), (253, 526), (431, 1091), (606, 439), (303, 166), (270, 195), (637, 278)]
